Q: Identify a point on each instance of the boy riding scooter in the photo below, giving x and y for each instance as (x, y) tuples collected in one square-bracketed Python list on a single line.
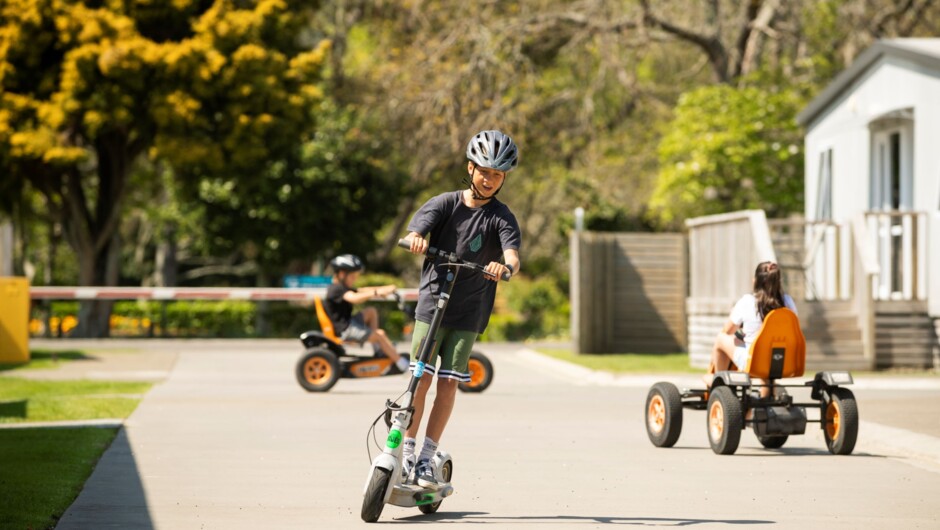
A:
[(465, 229), (479, 228)]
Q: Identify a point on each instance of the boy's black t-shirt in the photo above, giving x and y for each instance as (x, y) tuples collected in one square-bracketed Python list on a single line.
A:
[(339, 310), (474, 234)]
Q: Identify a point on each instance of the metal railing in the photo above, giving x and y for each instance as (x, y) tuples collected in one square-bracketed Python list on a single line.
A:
[(811, 257)]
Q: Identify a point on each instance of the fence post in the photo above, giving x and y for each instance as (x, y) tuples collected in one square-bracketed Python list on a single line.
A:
[(6, 248)]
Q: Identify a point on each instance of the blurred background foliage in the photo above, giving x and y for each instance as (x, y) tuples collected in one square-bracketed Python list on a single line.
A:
[(231, 142)]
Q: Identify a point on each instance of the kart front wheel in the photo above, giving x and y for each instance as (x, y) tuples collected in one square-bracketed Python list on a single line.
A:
[(663, 414), (773, 442), (374, 499), (317, 370), (481, 373)]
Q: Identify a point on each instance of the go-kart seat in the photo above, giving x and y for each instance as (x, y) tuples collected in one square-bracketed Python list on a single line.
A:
[(326, 325), (779, 350)]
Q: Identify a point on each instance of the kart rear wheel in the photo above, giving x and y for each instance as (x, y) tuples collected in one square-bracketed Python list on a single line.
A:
[(374, 500), (663, 414), (725, 421), (773, 442), (447, 471), (317, 370), (481, 373), (841, 421)]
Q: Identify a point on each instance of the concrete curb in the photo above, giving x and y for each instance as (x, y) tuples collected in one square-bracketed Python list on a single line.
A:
[(65, 424)]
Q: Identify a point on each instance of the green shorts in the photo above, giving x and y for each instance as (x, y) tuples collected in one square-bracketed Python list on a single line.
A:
[(454, 347)]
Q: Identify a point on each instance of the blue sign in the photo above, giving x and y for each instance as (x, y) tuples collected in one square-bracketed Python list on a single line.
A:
[(293, 281)]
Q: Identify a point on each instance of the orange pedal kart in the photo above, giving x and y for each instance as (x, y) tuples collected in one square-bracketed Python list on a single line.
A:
[(325, 359), (734, 401)]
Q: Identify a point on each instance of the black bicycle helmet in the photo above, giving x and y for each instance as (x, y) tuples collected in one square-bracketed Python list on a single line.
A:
[(346, 262), (494, 150)]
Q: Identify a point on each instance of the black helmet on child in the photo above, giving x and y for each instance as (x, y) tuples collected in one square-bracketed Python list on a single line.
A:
[(494, 150), (346, 262)]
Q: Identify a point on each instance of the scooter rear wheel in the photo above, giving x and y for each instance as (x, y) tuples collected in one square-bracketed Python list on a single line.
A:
[(374, 500), (446, 473), (481, 373)]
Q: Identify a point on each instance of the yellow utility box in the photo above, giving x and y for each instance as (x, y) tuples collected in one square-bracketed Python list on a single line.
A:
[(14, 320)]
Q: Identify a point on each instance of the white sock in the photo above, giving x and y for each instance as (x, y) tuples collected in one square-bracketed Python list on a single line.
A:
[(427, 452), (402, 364), (408, 448)]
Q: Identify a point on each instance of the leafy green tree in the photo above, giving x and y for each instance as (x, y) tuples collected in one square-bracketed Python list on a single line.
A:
[(215, 89), (329, 196), (730, 149)]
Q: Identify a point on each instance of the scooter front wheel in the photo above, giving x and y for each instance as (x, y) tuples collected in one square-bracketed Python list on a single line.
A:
[(374, 500)]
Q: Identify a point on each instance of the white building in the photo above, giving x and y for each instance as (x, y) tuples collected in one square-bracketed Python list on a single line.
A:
[(873, 189)]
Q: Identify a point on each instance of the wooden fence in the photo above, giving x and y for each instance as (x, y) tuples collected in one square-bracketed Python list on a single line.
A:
[(723, 251), (628, 292)]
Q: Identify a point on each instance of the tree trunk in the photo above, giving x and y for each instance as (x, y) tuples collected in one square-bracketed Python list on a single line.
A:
[(101, 268), (165, 266), (94, 232)]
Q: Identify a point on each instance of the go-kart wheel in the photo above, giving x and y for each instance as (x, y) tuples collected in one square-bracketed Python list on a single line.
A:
[(773, 442), (374, 499), (663, 414), (841, 417), (317, 370), (725, 421), (447, 472), (481, 373)]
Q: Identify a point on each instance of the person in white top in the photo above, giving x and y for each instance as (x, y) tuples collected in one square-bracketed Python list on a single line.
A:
[(734, 341)]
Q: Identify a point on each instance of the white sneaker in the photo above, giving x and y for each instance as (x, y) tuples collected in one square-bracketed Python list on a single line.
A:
[(424, 475)]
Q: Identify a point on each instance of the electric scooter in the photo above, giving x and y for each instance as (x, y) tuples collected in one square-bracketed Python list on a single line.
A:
[(385, 484)]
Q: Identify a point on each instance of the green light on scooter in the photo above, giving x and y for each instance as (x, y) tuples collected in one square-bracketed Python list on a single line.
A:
[(427, 498), (394, 439)]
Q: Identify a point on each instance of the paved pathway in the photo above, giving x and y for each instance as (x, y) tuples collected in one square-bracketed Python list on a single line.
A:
[(229, 440)]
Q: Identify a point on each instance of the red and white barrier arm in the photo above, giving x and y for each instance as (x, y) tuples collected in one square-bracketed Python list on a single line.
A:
[(191, 293)]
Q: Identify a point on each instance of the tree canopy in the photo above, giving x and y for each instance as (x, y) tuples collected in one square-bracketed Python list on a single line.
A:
[(216, 90), (261, 136)]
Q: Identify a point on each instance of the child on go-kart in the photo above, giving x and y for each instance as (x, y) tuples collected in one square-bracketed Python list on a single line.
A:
[(364, 325), (734, 342)]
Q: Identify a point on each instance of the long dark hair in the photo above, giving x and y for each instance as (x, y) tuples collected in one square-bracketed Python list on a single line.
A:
[(768, 289)]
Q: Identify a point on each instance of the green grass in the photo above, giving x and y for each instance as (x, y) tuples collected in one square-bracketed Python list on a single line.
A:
[(626, 362), (23, 400), (43, 471), (45, 359)]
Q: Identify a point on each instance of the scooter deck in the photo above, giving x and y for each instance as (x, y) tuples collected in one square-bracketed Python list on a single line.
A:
[(408, 495)]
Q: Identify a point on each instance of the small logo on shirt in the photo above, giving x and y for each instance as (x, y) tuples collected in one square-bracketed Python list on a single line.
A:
[(477, 243)]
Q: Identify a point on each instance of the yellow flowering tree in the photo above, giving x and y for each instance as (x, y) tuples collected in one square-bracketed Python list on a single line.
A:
[(215, 89)]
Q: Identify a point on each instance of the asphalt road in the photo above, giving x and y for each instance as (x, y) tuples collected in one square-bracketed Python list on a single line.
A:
[(229, 440)]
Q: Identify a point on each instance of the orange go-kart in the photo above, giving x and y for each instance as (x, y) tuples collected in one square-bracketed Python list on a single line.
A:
[(325, 359), (734, 401)]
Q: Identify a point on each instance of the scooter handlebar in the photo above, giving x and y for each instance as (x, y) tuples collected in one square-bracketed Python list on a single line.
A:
[(450, 256)]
